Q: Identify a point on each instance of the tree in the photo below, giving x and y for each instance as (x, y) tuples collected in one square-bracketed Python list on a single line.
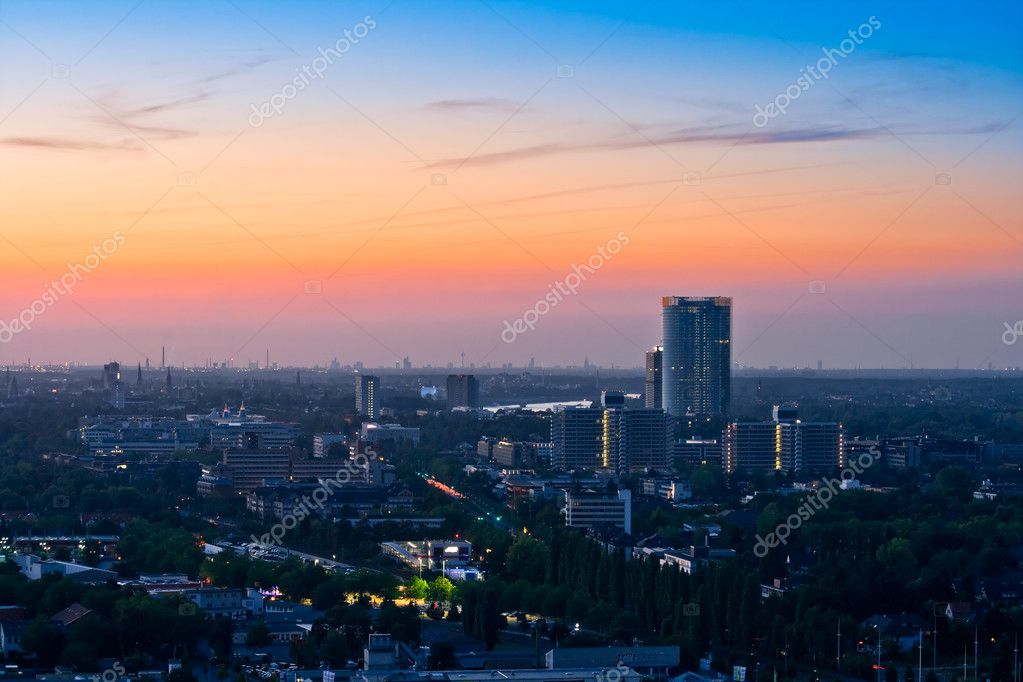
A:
[(491, 618), (403, 623), (335, 648), (625, 626), (470, 603), (527, 559), (441, 589), (330, 593), (559, 632), (219, 634), (577, 606), (707, 481), (417, 588), (258, 635), (80, 655), (442, 656), (43, 640), (955, 482), (897, 556)]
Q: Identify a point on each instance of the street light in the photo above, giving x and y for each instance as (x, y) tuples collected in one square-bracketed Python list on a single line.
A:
[(934, 612), (878, 652)]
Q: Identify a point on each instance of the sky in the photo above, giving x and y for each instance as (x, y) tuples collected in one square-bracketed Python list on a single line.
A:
[(512, 180)]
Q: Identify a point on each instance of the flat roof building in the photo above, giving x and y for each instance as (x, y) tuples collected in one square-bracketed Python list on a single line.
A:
[(784, 444), (610, 437), (463, 391), (598, 510)]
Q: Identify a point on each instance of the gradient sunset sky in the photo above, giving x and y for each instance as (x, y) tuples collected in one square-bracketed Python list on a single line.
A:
[(460, 157)]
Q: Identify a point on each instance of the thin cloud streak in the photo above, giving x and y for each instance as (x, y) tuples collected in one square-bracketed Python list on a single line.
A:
[(682, 136), (69, 144), (472, 104), (713, 134)]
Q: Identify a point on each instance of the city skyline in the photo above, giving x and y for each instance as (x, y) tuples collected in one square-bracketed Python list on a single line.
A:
[(256, 170), (531, 340)]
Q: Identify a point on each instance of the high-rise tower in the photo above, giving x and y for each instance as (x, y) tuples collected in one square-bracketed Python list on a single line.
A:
[(654, 364), (367, 395), (697, 356), (463, 391)]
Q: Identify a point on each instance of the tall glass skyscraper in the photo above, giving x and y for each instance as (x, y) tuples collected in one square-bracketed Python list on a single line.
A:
[(697, 356)]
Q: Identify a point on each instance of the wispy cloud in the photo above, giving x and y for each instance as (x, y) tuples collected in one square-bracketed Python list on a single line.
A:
[(69, 144), (169, 105), (146, 120), (117, 114), (716, 134), (244, 67), (472, 104)]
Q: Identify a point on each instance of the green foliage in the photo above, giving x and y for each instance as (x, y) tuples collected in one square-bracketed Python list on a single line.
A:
[(295, 578), (125, 624), (441, 589), (159, 548), (42, 640), (527, 559), (481, 617), (442, 656), (416, 588), (258, 634), (402, 622)]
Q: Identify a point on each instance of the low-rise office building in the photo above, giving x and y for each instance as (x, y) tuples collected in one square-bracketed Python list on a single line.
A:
[(374, 433), (594, 510), (430, 554)]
